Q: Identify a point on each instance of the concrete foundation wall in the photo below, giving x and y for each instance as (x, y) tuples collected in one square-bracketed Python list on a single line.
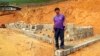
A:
[(72, 32)]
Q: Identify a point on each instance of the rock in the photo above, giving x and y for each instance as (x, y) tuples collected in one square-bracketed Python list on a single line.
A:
[(43, 34), (11, 25), (33, 27), (2, 26), (39, 27), (28, 27)]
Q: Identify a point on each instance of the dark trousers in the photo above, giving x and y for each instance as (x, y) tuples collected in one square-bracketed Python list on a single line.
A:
[(59, 33)]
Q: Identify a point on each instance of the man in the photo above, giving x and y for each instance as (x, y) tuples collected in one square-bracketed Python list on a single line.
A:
[(59, 28)]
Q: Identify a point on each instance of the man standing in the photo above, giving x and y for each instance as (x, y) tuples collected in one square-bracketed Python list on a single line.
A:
[(59, 29)]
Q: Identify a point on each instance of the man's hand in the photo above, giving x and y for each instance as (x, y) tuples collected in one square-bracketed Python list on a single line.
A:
[(53, 30)]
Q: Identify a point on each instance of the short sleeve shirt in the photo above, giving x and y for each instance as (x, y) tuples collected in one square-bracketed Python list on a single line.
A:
[(59, 21)]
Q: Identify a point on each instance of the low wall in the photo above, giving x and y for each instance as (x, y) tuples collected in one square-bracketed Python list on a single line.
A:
[(75, 48), (31, 30), (72, 32)]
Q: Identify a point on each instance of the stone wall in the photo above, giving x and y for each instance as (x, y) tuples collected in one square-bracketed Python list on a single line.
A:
[(72, 32), (23, 26), (31, 30)]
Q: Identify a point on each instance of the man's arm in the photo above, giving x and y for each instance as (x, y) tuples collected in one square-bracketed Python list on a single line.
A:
[(64, 22)]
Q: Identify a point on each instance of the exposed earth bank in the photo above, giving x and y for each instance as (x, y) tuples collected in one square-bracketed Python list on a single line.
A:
[(80, 12)]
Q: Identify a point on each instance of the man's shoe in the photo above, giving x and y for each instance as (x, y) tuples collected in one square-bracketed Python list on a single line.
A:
[(62, 47)]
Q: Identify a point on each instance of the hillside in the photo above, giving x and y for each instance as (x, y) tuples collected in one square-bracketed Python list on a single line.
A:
[(80, 12)]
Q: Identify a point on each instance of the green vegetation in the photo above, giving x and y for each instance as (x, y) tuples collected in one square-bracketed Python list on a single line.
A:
[(24, 1), (4, 3), (30, 1)]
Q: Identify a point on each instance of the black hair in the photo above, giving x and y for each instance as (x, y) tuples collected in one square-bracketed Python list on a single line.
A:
[(57, 9)]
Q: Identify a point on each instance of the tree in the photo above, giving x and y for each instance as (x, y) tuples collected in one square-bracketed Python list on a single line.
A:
[(4, 3)]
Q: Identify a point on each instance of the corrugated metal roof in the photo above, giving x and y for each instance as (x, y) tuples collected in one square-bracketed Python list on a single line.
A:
[(9, 8)]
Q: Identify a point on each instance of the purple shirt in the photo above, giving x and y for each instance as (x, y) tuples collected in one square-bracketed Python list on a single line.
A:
[(58, 21)]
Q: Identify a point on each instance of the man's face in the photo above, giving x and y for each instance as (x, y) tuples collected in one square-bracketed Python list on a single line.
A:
[(57, 12)]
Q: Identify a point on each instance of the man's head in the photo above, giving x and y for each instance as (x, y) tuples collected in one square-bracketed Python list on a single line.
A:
[(57, 10)]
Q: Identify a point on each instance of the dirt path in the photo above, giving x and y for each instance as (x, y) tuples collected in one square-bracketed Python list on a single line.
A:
[(93, 50)]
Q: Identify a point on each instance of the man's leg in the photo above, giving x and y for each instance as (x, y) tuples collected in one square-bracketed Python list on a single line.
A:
[(62, 38), (57, 38)]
